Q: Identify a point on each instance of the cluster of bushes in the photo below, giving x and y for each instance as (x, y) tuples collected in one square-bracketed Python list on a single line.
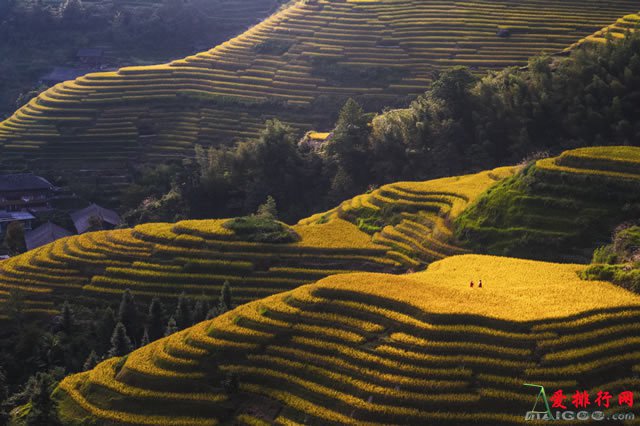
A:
[(619, 261), (273, 46), (342, 74)]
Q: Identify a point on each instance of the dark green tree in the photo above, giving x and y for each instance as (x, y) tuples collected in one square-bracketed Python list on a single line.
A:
[(156, 322), (199, 311), (225, 302), (183, 315), (43, 409), (171, 327), (67, 319), (128, 314), (348, 148), (91, 361), (4, 394), (104, 330), (145, 338), (268, 209), (120, 342)]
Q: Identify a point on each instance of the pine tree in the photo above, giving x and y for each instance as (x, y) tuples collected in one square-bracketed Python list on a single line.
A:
[(225, 297), (183, 312), (268, 209), (145, 338), (199, 311), (67, 322), (120, 342), (128, 313), (91, 361), (4, 394), (213, 312), (104, 330), (156, 322), (43, 408), (348, 147), (171, 327)]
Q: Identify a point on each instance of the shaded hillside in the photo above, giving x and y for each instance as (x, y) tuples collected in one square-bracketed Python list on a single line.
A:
[(197, 257), (299, 65), (558, 208), (380, 349)]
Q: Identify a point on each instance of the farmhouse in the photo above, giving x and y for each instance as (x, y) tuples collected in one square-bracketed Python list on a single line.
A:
[(6, 218), (25, 191), (44, 234), (83, 219), (315, 140)]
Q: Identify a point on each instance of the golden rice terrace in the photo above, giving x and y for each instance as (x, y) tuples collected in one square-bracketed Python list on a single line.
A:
[(299, 65), (380, 349), (198, 256)]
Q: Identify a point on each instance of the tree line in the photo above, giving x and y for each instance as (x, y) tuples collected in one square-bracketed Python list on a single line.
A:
[(463, 123)]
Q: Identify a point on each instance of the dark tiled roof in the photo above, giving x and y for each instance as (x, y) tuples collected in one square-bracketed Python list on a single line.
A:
[(81, 217), (44, 234), (23, 182), (15, 216)]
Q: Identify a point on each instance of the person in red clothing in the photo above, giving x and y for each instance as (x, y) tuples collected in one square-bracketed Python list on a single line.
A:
[(471, 285)]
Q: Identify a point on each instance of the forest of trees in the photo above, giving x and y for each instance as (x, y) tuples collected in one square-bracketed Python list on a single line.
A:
[(35, 354), (464, 123)]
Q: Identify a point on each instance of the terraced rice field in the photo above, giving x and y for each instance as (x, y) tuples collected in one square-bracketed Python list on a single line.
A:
[(414, 219), (197, 257), (302, 62), (562, 207), (619, 29), (380, 349)]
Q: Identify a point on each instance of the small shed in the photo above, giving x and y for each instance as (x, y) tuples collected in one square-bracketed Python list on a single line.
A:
[(315, 140), (82, 218), (44, 234)]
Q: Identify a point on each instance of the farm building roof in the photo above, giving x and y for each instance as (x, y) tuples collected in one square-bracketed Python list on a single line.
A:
[(81, 217), (44, 234), (23, 182), (15, 216)]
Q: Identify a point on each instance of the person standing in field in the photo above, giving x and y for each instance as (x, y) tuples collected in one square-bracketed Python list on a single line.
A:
[(471, 285), (480, 284)]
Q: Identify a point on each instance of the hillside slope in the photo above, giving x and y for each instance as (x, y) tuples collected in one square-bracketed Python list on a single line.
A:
[(619, 29), (302, 62), (196, 257), (380, 349), (558, 208)]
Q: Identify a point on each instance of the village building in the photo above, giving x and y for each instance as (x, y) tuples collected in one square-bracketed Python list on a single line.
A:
[(84, 219), (315, 140), (25, 218), (44, 234), (25, 192)]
